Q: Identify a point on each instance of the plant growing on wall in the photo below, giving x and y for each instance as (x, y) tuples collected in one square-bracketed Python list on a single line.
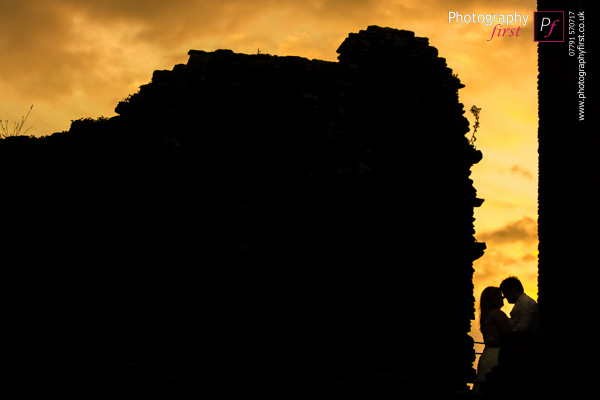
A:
[(17, 128), (475, 111)]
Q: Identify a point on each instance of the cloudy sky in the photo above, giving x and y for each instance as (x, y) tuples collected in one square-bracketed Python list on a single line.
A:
[(74, 59)]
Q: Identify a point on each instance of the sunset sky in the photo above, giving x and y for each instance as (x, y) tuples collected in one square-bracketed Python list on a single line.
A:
[(75, 59)]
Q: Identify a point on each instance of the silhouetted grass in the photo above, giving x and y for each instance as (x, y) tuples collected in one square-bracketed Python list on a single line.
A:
[(17, 128)]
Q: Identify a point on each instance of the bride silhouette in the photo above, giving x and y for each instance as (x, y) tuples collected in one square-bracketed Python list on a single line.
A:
[(493, 324)]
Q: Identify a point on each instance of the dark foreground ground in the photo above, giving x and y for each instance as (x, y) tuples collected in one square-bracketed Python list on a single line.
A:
[(107, 381)]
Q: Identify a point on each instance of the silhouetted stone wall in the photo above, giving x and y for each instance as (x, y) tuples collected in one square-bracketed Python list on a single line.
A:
[(255, 214)]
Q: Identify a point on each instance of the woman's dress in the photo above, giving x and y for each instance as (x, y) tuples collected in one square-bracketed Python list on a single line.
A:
[(489, 356)]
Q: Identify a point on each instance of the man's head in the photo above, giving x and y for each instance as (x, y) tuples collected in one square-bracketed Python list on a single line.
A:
[(511, 289)]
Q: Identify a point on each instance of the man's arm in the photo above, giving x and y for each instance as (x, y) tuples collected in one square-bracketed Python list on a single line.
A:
[(501, 321)]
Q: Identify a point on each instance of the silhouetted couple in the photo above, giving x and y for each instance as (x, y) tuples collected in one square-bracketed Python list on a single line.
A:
[(501, 332)]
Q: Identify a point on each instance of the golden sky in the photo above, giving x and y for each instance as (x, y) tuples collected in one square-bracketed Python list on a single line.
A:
[(74, 59)]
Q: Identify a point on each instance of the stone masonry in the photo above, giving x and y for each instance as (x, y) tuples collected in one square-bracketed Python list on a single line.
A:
[(280, 218)]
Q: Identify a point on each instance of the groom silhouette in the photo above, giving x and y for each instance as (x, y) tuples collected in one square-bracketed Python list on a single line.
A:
[(525, 314), (519, 353)]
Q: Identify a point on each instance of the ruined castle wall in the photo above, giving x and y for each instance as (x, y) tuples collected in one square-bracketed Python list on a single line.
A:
[(279, 214)]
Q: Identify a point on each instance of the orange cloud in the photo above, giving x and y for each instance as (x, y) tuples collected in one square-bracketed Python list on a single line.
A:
[(524, 230), (74, 54), (518, 170)]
